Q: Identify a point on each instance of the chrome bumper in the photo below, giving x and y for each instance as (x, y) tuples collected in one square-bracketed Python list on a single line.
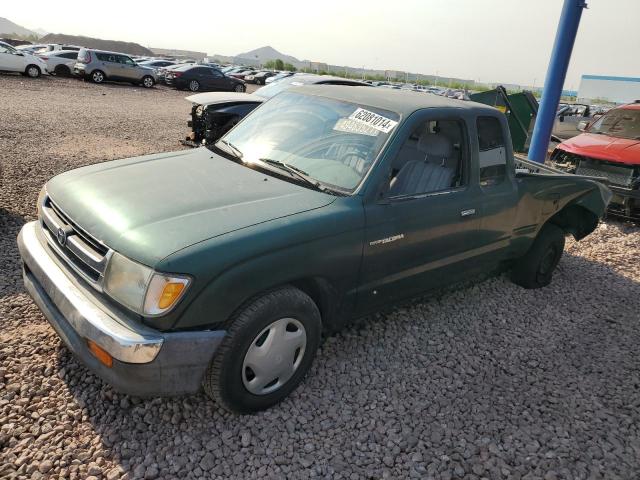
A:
[(125, 340), (146, 362)]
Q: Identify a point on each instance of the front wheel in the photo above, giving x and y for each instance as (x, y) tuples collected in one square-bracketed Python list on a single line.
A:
[(535, 268), (239, 88), (194, 85), (268, 349), (148, 81)]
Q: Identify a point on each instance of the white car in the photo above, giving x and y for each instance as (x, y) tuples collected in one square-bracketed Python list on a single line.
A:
[(12, 60), (60, 62), (46, 47)]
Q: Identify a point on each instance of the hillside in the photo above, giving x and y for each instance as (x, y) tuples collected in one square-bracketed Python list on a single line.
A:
[(264, 54), (7, 27), (111, 45)]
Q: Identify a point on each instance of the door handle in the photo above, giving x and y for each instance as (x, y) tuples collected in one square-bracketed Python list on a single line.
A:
[(468, 213)]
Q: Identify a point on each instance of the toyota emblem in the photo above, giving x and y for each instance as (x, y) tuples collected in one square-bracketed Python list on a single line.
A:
[(62, 237)]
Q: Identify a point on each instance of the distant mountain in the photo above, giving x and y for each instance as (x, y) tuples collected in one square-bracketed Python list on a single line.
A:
[(40, 31), (7, 27), (110, 45), (264, 54)]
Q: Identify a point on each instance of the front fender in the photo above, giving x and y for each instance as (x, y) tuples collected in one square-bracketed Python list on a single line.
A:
[(323, 246)]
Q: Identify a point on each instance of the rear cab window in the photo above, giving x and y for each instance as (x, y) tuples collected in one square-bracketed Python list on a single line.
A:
[(492, 151)]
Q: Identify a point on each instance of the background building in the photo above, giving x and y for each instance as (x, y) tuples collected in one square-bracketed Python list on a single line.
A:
[(612, 89)]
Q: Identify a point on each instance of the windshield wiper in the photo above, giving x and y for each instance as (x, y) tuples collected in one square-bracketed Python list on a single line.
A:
[(296, 172), (235, 151)]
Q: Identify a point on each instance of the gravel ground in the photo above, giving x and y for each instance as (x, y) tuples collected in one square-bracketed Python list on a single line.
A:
[(489, 381)]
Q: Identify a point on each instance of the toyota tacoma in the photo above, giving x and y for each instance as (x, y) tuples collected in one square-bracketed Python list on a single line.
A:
[(221, 266)]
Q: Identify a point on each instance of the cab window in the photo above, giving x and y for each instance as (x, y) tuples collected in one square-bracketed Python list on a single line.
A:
[(493, 154), (432, 159)]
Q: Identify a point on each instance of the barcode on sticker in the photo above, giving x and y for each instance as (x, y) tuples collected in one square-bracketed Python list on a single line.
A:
[(379, 122)]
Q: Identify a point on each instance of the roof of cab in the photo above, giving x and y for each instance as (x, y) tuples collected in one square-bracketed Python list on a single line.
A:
[(404, 102)]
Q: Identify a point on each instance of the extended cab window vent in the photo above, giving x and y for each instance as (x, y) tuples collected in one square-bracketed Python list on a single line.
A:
[(83, 253)]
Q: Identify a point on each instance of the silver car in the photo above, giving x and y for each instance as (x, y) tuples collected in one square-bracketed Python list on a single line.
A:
[(100, 66)]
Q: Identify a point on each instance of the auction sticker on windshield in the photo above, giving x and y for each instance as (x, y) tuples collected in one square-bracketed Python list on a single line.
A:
[(379, 122)]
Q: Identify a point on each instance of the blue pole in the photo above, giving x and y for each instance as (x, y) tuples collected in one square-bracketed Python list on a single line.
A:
[(556, 74)]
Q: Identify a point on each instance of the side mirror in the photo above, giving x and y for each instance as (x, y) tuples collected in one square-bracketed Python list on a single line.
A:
[(582, 126)]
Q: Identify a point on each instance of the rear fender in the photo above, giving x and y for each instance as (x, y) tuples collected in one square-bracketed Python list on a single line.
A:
[(580, 216)]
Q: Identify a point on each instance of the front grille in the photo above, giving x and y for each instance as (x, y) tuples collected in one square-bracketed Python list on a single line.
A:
[(82, 252), (616, 174)]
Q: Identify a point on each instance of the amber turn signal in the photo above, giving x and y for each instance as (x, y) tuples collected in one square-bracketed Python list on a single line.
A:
[(170, 294), (100, 353)]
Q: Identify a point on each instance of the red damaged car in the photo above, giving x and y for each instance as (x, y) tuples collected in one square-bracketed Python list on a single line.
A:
[(609, 148)]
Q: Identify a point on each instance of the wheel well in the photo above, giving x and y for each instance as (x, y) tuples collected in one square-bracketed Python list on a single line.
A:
[(576, 220), (32, 65), (324, 296)]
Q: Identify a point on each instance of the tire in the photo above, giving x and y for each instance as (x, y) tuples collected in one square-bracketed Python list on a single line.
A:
[(97, 76), (148, 81), (32, 71), (194, 85), (277, 320), (239, 88), (535, 268), (62, 71)]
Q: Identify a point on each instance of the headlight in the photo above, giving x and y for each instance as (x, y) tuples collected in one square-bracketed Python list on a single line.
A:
[(142, 289)]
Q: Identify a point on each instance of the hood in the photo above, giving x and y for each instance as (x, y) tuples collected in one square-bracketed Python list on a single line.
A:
[(152, 206), (214, 98), (604, 147)]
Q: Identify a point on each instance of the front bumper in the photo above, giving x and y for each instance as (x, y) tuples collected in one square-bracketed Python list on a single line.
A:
[(625, 203), (146, 362)]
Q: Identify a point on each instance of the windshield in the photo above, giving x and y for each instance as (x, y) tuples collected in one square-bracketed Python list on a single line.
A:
[(619, 122), (332, 142)]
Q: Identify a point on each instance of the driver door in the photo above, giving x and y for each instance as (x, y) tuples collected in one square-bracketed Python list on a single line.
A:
[(422, 233), (11, 60)]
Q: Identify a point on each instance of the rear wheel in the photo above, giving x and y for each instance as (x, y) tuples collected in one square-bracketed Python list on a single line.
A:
[(62, 71), (97, 76), (194, 85), (32, 71), (268, 349), (148, 81), (535, 268), (239, 88)]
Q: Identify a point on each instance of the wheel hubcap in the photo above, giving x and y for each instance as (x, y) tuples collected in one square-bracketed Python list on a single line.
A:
[(194, 85), (97, 77), (273, 356), (148, 82), (33, 72)]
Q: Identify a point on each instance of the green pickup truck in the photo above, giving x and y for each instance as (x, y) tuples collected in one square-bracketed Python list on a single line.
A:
[(221, 266)]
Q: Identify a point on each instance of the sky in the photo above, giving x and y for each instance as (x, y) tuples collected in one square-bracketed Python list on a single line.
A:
[(506, 41)]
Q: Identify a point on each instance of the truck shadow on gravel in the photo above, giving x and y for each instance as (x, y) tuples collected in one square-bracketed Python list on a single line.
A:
[(10, 262), (560, 356)]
